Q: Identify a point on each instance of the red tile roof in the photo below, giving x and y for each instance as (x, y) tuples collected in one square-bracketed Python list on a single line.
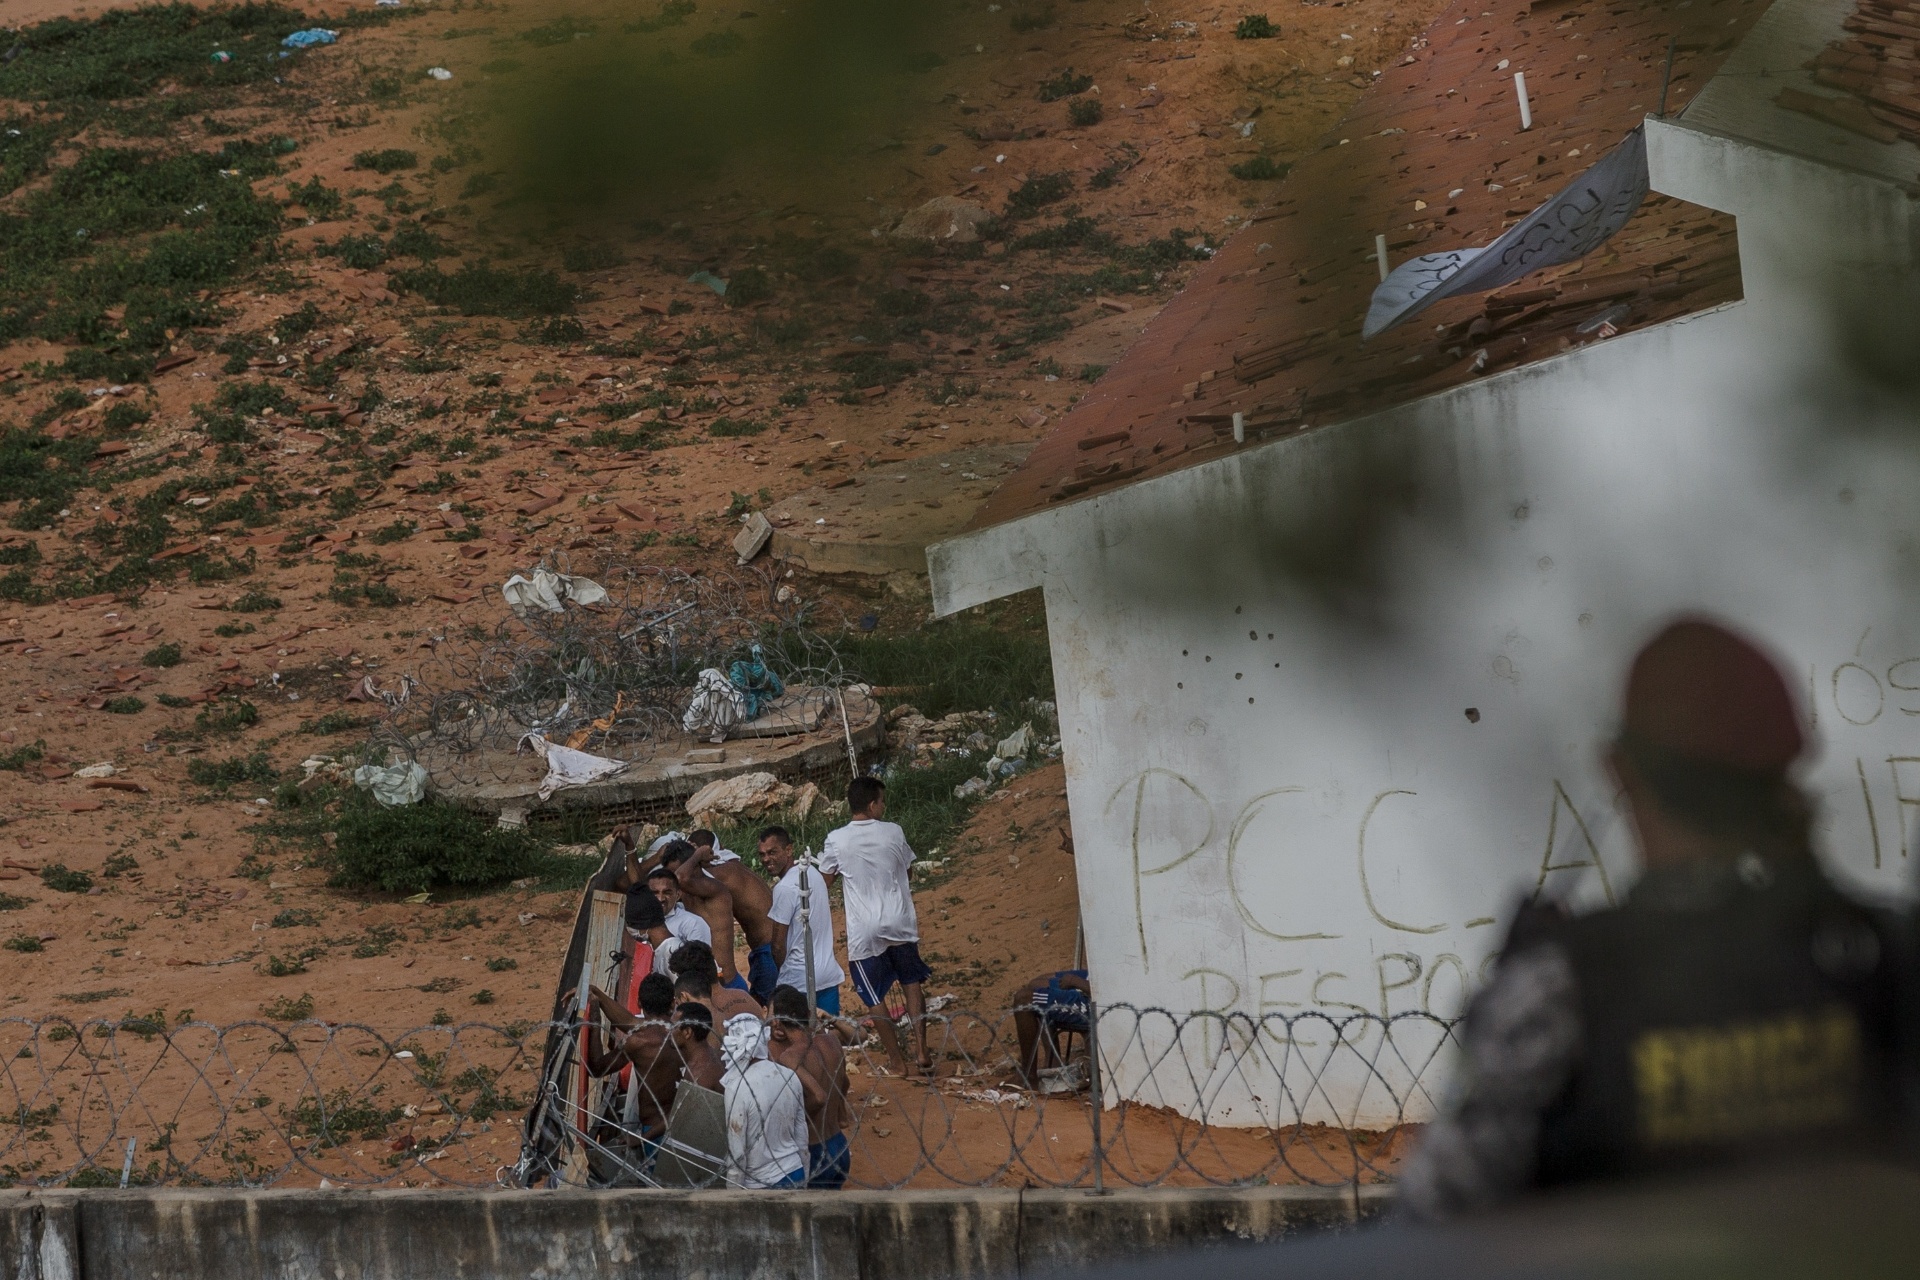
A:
[(1433, 157), (1879, 65)]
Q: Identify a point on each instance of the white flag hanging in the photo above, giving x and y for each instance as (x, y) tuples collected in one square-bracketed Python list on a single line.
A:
[(1579, 218)]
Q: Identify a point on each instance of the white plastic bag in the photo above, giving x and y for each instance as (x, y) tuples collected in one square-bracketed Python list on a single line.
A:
[(393, 785)]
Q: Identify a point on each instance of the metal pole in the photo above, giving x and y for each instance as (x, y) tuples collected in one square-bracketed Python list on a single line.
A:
[(1666, 78), (853, 758), (126, 1168), (806, 938), (1093, 1082)]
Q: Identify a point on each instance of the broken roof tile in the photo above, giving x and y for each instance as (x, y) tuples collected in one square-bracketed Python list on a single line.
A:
[(1279, 329)]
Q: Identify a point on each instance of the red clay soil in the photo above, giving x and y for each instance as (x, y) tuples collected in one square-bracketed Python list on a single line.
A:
[(1434, 158), (194, 905), (185, 929)]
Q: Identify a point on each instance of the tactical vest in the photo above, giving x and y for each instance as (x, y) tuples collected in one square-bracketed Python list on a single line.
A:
[(1765, 1012)]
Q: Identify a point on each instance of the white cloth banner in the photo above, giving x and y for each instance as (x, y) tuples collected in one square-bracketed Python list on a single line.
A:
[(1578, 220)]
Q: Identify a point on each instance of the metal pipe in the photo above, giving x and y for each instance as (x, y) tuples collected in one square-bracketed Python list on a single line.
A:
[(1526, 108), (806, 938), (1093, 1085)]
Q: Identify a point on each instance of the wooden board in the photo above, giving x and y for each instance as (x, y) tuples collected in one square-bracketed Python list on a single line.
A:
[(545, 1132), (600, 966)]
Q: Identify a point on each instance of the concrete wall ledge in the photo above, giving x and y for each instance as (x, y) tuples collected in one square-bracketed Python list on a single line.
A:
[(176, 1234)]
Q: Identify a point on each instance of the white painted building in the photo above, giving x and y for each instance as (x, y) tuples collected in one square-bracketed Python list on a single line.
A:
[(1281, 801)]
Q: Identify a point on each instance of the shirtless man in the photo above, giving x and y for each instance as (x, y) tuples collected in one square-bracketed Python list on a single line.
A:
[(649, 1045), (708, 898), (694, 978), (704, 1067), (817, 1058), (751, 900)]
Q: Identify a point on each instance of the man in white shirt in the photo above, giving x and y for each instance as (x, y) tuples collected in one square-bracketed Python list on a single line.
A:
[(789, 942), (766, 1111), (872, 858), (681, 923)]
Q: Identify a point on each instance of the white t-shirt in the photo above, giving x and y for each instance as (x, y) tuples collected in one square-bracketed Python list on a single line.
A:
[(766, 1124), (872, 858), (786, 910), (688, 927)]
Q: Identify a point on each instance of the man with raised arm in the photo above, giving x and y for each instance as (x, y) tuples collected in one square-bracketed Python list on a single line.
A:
[(709, 899), (750, 898)]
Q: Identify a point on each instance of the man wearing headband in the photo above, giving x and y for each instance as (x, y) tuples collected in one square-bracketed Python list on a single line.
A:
[(766, 1110)]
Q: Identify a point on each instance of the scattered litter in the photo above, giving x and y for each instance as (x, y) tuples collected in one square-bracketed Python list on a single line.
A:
[(310, 37), (439, 73), (1072, 1078), (419, 898), (393, 785), (1016, 744), (104, 769), (1606, 323), (710, 280), (546, 590), (567, 767), (941, 1001), (716, 706), (996, 1097)]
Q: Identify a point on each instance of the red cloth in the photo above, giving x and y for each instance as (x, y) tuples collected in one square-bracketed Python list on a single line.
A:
[(1699, 690), (642, 966)]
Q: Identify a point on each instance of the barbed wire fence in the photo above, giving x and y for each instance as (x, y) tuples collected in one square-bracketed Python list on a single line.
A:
[(1138, 1097), (608, 666)]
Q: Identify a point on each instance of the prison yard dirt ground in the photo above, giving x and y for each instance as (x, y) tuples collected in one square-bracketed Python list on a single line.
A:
[(296, 362)]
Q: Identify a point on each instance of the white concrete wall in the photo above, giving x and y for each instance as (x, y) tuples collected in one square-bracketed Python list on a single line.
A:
[(1280, 805)]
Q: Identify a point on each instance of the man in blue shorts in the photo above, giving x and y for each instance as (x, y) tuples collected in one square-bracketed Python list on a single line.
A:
[(748, 897), (872, 857), (1054, 1003), (822, 1066)]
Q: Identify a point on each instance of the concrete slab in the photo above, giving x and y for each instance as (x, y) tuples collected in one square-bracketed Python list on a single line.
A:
[(656, 783), (881, 519)]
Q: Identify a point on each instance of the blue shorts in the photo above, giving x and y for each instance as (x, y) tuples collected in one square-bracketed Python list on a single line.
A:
[(875, 976), (828, 1163), (737, 983), (798, 1178), (827, 1000), (763, 973), (1063, 1007)]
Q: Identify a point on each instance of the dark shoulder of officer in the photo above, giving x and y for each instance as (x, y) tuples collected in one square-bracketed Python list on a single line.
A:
[(1736, 1005)]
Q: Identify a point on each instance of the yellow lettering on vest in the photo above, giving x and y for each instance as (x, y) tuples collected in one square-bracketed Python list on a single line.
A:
[(1697, 1085)]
